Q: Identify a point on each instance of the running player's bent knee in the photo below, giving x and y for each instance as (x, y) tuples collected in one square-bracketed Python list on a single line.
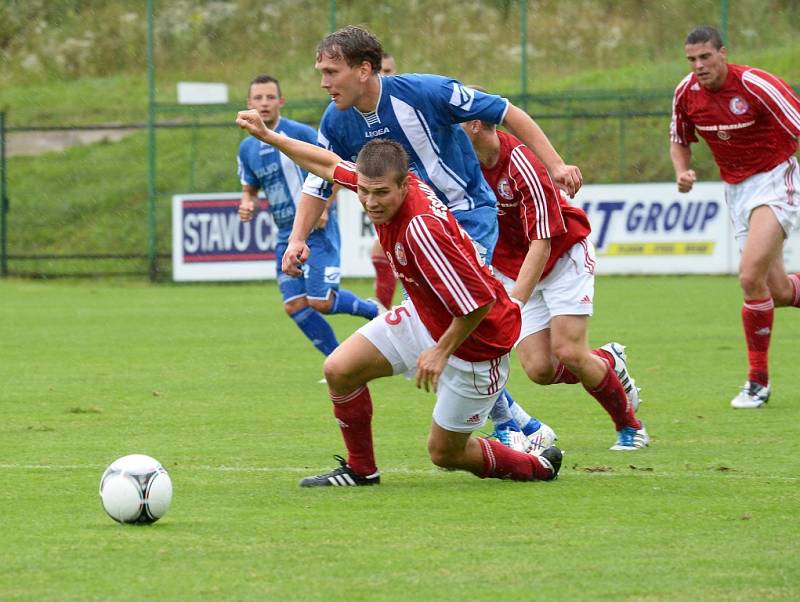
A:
[(571, 356), (323, 306), (540, 374), (339, 374), (443, 456)]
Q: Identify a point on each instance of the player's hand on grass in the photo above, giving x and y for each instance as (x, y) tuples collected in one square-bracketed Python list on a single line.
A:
[(430, 365), (295, 256), (246, 210), (568, 178), (251, 121), (686, 180)]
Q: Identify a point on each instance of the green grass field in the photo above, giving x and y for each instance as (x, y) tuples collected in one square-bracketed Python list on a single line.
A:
[(215, 382)]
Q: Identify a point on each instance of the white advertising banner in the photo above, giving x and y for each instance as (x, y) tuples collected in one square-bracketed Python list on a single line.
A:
[(652, 229), (636, 228), (210, 243)]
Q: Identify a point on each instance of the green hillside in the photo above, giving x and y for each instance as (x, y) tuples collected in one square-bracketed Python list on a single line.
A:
[(590, 65)]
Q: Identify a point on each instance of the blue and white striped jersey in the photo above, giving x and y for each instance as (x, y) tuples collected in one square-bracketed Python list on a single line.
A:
[(261, 165), (422, 112)]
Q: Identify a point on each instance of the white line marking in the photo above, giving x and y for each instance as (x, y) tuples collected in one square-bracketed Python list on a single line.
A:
[(615, 472)]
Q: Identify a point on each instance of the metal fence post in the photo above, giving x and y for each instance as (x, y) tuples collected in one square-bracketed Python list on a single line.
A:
[(621, 149), (3, 199), (152, 257), (523, 43)]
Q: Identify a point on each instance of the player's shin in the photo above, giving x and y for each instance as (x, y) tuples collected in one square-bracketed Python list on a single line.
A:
[(500, 462), (757, 317), (611, 395), (794, 280), (345, 302), (353, 412), (526, 422), (316, 329)]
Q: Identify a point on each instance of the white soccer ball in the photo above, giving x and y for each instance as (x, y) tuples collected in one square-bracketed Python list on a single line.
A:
[(135, 489)]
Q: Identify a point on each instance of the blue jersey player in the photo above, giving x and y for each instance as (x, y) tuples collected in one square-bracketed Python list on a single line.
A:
[(261, 166), (422, 113)]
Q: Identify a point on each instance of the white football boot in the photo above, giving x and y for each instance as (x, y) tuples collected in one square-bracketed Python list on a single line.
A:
[(631, 439), (751, 397), (621, 369), (541, 439), (512, 439)]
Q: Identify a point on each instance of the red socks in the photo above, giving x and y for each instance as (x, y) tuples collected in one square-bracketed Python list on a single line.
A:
[(500, 462), (612, 397), (353, 412), (794, 280), (385, 282), (757, 315), (563, 375)]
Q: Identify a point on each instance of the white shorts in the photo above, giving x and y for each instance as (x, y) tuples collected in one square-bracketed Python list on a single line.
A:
[(779, 188), (466, 391), (568, 290)]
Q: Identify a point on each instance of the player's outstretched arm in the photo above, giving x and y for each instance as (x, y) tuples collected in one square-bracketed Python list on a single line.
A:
[(682, 162), (312, 158), (521, 125)]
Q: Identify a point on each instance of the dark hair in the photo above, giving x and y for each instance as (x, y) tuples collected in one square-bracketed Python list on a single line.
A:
[(264, 79), (386, 55), (382, 157), (353, 44), (703, 34)]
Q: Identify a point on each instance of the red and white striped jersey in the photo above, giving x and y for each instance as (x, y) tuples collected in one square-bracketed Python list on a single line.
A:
[(751, 123), (439, 267), (529, 207)]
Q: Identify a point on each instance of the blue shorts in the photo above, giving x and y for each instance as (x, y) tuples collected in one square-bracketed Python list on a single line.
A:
[(321, 273)]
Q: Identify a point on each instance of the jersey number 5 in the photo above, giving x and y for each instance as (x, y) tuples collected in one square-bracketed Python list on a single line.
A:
[(393, 316)]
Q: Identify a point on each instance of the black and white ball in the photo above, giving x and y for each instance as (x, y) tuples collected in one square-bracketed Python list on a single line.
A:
[(135, 489)]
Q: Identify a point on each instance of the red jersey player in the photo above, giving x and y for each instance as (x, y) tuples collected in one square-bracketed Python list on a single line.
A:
[(456, 333), (545, 261), (751, 121)]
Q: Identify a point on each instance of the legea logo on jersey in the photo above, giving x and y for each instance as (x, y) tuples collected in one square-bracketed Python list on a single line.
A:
[(212, 232), (462, 97), (738, 105)]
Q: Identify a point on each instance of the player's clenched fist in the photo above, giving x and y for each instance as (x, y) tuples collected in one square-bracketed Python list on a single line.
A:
[(251, 121), (246, 210), (568, 178), (294, 257), (686, 180)]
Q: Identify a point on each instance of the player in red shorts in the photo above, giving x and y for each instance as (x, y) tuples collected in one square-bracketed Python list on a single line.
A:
[(751, 121), (456, 332), (546, 262)]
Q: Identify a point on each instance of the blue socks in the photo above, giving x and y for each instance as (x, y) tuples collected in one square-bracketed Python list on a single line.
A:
[(501, 416), (529, 424), (317, 329), (345, 302)]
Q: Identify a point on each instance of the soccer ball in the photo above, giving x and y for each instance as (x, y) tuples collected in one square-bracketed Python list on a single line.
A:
[(135, 489)]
